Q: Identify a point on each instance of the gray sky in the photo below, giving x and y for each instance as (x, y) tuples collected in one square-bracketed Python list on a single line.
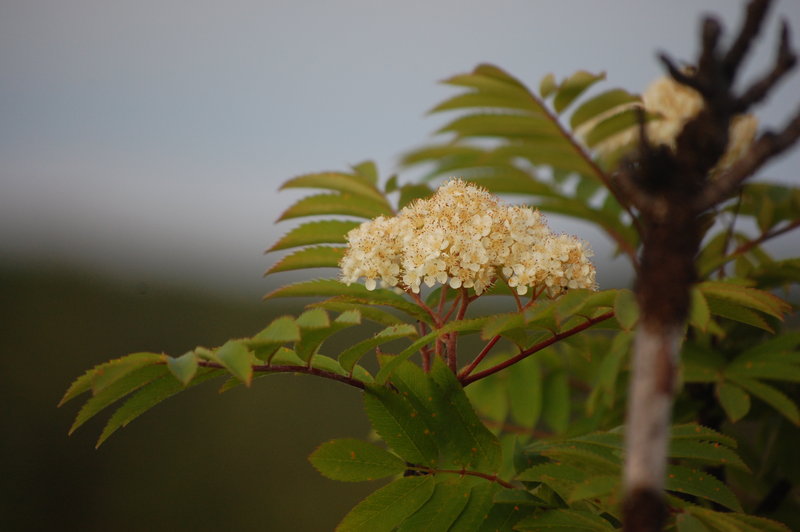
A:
[(148, 138)]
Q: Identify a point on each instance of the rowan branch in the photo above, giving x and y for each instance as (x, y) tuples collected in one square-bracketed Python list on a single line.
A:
[(268, 368), (468, 379)]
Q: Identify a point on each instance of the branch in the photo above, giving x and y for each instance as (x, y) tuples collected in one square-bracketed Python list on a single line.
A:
[(418, 300), (765, 148), (756, 12), (463, 472), (750, 244), (784, 62), (485, 351), (599, 173), (452, 356), (267, 368), (537, 347)]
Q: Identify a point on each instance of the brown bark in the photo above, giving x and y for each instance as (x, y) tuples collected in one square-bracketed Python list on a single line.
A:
[(673, 195)]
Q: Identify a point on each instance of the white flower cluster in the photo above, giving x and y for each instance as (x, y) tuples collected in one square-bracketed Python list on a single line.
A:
[(462, 236), (677, 104)]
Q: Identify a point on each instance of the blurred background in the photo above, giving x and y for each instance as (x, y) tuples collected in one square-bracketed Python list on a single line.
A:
[(141, 147)]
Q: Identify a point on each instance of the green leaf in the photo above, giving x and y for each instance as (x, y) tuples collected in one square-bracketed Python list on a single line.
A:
[(731, 521), (355, 293), (600, 104), (366, 170), (504, 125), (700, 363), (280, 331), (595, 487), (746, 296), (688, 523), (313, 319), (491, 79), (612, 125), (119, 389), (312, 339), (693, 431), (346, 204), (548, 85), (605, 380), (471, 100), (471, 444), (574, 86), (777, 344), (566, 520), (388, 507), (311, 257), (328, 364), (700, 484), (508, 184), (626, 309), (770, 395), (478, 505), (734, 400), (368, 312), (705, 452), (411, 192), (183, 368), (286, 357), (353, 354), (147, 397), (736, 312), (556, 401), (80, 385), (441, 510), (764, 369), (699, 312), (108, 373), (472, 325), (400, 425), (237, 359), (525, 392), (323, 232), (490, 398), (344, 183), (351, 460)]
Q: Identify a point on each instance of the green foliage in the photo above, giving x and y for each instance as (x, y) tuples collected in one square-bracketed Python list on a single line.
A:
[(355, 461), (508, 416)]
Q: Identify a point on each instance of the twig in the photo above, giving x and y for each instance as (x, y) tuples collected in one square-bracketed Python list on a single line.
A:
[(418, 300), (537, 347), (463, 472), (425, 351), (598, 172), (750, 244), (485, 351), (267, 368), (729, 233), (452, 355)]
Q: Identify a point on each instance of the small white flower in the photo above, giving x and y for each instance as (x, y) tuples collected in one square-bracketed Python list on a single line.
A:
[(461, 236)]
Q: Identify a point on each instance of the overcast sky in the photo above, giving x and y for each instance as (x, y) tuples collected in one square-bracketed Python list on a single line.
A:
[(148, 138)]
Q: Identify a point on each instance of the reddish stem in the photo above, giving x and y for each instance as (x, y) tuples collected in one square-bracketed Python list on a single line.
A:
[(293, 369), (418, 300), (747, 246), (538, 347), (465, 472), (452, 340), (485, 351)]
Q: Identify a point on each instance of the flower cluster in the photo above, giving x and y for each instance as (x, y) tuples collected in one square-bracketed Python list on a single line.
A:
[(465, 237), (676, 104)]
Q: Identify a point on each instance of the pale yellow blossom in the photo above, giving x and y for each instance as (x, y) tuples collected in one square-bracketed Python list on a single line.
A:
[(675, 104), (463, 236)]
